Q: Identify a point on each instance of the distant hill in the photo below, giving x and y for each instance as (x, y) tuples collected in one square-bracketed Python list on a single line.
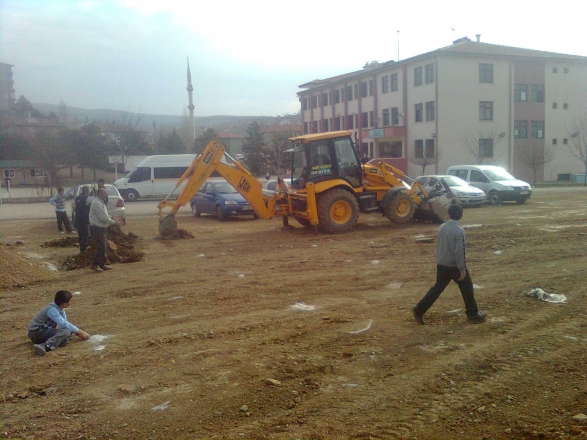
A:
[(236, 124)]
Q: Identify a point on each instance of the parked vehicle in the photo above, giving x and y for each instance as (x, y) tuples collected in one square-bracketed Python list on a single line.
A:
[(467, 194), (498, 184), (115, 202), (270, 186), (219, 198)]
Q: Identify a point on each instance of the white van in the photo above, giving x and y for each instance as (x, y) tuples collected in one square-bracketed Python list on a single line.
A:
[(498, 184), (155, 176)]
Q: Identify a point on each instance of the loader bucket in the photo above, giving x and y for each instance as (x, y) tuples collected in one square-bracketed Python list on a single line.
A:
[(168, 228), (435, 208)]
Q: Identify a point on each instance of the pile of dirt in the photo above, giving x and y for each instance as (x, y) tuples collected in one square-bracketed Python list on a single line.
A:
[(16, 270), (62, 242), (120, 250)]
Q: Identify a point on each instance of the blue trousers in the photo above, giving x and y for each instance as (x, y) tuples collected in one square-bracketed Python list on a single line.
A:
[(51, 337)]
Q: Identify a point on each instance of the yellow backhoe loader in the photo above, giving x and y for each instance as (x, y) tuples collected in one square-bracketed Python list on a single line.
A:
[(329, 187)]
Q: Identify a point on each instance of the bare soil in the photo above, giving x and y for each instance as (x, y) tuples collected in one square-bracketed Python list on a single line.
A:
[(253, 331)]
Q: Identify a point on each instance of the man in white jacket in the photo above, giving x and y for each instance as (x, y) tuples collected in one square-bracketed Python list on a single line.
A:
[(99, 222)]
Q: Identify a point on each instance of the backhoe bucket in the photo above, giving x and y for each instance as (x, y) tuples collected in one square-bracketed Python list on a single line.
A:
[(434, 208), (168, 228)]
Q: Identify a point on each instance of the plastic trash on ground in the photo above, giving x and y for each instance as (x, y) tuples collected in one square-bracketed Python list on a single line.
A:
[(540, 294)]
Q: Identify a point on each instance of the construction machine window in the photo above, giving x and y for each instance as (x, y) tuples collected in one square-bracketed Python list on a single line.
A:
[(348, 162), (320, 163)]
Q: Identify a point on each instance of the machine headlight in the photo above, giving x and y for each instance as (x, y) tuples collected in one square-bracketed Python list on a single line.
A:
[(231, 202)]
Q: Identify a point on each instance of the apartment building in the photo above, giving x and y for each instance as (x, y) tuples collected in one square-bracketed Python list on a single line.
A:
[(467, 103)]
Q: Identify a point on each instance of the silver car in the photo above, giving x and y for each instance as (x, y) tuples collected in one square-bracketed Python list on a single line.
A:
[(115, 201), (467, 194)]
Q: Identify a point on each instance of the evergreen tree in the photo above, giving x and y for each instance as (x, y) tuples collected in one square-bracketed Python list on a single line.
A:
[(254, 149), (170, 144), (203, 140)]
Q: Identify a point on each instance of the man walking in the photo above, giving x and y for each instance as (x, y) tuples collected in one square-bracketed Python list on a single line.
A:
[(451, 265), (82, 218), (50, 329), (99, 222), (58, 200)]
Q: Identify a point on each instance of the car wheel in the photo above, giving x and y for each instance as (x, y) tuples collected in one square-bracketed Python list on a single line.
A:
[(219, 213), (195, 211), (132, 195), (494, 198)]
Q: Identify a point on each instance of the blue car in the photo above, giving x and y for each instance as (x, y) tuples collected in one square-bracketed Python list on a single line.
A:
[(219, 198)]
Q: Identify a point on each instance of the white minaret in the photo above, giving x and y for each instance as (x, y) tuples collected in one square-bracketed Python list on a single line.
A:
[(191, 107)]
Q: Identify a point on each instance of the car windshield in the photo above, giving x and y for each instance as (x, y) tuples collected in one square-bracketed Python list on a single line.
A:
[(225, 188), (498, 174), (454, 181)]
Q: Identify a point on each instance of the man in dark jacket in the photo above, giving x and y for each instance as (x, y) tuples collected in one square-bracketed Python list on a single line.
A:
[(82, 218), (451, 264)]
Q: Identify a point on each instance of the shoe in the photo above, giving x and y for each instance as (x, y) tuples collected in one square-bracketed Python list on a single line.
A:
[(39, 349), (105, 267), (62, 233), (419, 317), (96, 269), (478, 318)]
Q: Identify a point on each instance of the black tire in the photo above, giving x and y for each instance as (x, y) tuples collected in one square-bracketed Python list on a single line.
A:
[(521, 201), (401, 209), (219, 213), (494, 198), (304, 222), (195, 211), (338, 211), (131, 195)]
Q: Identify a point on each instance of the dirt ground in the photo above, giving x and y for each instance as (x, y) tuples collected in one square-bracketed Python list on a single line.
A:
[(251, 331)]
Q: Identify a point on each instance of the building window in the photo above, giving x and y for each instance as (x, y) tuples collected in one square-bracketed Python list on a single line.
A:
[(419, 148), (554, 141), (337, 123), (537, 93), (371, 119), (565, 106), (565, 70), (429, 151), (325, 125), (314, 126), (418, 76), (418, 108), (371, 86), (520, 129), (520, 93), (555, 70), (363, 90), (485, 73), (324, 99), (430, 111), (429, 73), (306, 127), (554, 105), (349, 122), (349, 93), (385, 117), (394, 116), (565, 141), (537, 129), (305, 104), (9, 174), (357, 120), (486, 110), (38, 172), (356, 91), (384, 84), (314, 101), (486, 147), (394, 82), (364, 119), (392, 149), (337, 96)]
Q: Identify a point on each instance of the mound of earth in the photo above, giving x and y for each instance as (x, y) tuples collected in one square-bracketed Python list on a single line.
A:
[(62, 242), (17, 270)]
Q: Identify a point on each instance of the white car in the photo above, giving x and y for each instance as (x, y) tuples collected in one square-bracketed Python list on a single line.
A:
[(467, 194), (115, 201)]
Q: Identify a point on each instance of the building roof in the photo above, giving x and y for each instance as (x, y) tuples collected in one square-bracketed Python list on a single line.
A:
[(4, 164), (463, 47)]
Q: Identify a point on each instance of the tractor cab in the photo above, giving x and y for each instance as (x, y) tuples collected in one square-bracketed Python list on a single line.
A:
[(325, 156)]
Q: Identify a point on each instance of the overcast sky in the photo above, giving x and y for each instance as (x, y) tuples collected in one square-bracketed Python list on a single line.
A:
[(247, 57)]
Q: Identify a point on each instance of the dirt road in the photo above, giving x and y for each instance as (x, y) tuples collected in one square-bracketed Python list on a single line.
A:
[(251, 331)]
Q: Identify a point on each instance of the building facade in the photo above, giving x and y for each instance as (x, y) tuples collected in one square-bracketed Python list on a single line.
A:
[(467, 103)]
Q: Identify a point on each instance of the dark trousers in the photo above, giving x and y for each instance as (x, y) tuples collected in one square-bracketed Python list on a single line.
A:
[(99, 236), (83, 232), (444, 275), (51, 337), (63, 219)]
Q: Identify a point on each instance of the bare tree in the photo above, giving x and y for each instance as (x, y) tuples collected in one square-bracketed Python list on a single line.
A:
[(578, 141), (481, 145), (536, 156), (423, 161), (276, 150), (126, 137)]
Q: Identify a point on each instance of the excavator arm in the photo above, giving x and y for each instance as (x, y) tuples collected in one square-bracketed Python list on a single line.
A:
[(201, 169)]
